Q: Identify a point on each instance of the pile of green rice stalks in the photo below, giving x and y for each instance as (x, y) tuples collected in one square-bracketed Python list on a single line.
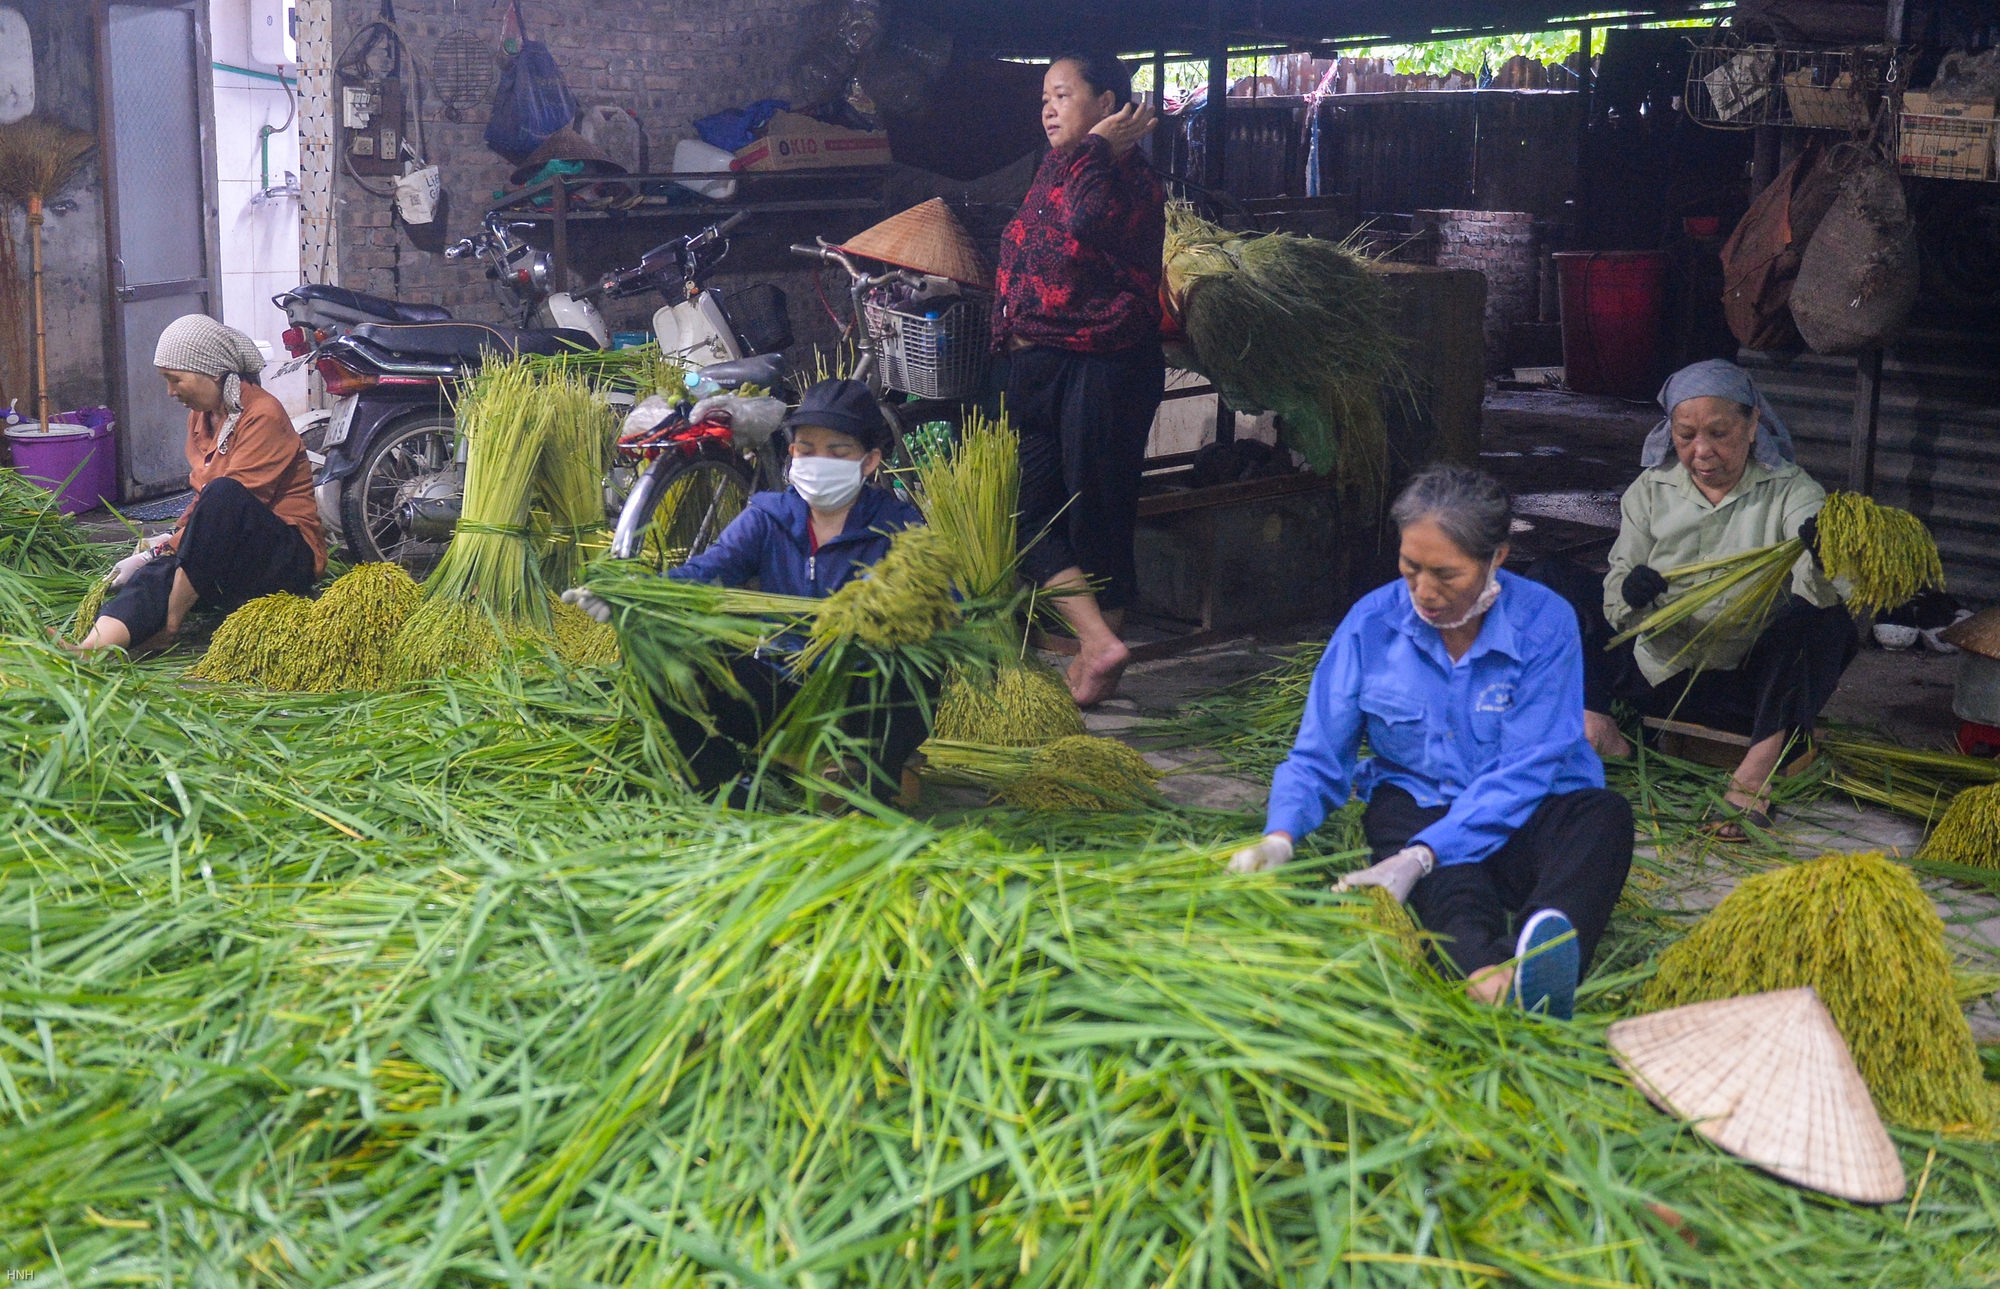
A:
[(1861, 932), (47, 564), (1291, 325)]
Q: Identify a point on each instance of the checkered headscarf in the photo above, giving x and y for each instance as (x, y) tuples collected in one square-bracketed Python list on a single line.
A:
[(200, 344)]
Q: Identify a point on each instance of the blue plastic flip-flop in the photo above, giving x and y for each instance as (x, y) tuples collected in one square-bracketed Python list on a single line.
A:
[(1549, 963)]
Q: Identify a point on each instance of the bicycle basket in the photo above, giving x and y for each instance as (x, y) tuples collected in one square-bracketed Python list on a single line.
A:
[(759, 315), (934, 355)]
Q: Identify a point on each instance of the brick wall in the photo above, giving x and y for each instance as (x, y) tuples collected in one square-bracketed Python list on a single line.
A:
[(1501, 245), (669, 61)]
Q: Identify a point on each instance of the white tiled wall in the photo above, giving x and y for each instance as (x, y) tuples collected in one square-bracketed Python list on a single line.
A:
[(260, 241)]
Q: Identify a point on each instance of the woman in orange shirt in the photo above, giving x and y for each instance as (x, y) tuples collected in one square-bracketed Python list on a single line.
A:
[(252, 528)]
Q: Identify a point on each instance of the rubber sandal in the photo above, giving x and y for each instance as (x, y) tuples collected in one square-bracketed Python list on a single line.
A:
[(1548, 964), (1716, 827)]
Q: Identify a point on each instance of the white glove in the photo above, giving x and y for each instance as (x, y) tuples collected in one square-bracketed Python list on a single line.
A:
[(123, 571), (1396, 874), (1269, 853), (754, 420), (581, 597)]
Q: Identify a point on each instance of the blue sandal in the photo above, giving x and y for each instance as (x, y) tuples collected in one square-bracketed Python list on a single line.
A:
[(1548, 962)]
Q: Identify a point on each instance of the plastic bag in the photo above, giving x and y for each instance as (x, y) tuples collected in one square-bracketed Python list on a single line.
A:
[(531, 103), (738, 127)]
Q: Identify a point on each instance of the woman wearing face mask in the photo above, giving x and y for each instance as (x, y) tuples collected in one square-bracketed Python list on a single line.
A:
[(1719, 479), (1487, 810), (810, 539), (1077, 310)]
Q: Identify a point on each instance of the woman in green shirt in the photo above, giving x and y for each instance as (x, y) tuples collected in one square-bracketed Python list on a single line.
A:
[(1719, 479)]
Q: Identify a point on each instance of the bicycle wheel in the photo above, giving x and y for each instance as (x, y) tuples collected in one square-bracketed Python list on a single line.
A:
[(697, 502)]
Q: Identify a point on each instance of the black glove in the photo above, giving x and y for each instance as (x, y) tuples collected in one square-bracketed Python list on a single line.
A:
[(1809, 534), (1642, 586)]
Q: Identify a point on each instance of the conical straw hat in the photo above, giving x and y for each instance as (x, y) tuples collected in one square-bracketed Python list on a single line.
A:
[(1767, 1078), (1978, 634), (927, 238)]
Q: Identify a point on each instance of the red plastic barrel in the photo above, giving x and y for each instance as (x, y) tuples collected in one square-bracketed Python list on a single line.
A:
[(1611, 306)]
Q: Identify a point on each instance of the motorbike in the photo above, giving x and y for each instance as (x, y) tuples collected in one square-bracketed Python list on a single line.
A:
[(392, 481)]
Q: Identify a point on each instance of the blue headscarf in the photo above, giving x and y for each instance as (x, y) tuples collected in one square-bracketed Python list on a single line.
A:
[(1718, 378)]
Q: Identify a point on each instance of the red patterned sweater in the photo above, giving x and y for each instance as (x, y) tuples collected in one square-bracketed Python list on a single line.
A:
[(1080, 263)]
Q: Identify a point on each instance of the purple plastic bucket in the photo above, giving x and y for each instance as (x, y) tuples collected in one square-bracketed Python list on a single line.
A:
[(76, 448)]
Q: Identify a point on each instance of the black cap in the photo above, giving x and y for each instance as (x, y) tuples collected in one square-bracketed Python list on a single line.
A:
[(845, 407)]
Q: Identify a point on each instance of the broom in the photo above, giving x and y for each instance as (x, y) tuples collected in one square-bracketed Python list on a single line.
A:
[(37, 157)]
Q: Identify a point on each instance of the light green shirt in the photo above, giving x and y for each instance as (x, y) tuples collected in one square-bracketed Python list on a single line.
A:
[(1667, 523)]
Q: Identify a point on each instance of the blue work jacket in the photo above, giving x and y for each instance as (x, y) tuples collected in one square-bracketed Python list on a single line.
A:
[(771, 541), (1489, 735)]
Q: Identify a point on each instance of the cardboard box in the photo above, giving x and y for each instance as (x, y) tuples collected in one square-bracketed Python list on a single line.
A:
[(1919, 103), (1948, 140), (798, 142)]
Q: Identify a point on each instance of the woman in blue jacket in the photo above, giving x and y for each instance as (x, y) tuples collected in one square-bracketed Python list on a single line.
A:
[(1486, 805), (810, 539)]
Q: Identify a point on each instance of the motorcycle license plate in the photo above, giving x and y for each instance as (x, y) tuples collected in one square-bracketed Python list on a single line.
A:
[(343, 421)]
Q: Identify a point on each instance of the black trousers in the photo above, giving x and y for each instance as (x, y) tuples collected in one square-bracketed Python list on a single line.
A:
[(1083, 421), (1571, 855), (233, 550), (1780, 687), (891, 730)]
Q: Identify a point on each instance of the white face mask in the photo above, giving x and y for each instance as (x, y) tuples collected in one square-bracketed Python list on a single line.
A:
[(1479, 606), (826, 483)]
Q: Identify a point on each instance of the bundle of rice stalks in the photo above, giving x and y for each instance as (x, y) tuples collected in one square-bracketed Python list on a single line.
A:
[(581, 640), (905, 598), (1079, 772), (264, 644), (1884, 555), (345, 640), (490, 566), (1861, 932), (577, 435), (1293, 325), (1969, 833), (971, 498), (1393, 917), (1912, 781), (1026, 705)]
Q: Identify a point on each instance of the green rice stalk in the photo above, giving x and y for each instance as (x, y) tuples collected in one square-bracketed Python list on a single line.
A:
[(1969, 833), (905, 598), (491, 561), (353, 626), (578, 434), (581, 640), (1026, 705), (1294, 325), (1394, 918), (1884, 555), (1861, 932), (444, 637), (1079, 772), (87, 609), (264, 644), (1730, 599), (971, 498), (1249, 725)]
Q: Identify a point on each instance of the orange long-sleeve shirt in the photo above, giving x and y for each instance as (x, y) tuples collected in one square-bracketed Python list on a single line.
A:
[(267, 456)]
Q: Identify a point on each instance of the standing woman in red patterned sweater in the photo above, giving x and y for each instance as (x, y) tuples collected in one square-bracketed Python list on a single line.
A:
[(1078, 311)]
